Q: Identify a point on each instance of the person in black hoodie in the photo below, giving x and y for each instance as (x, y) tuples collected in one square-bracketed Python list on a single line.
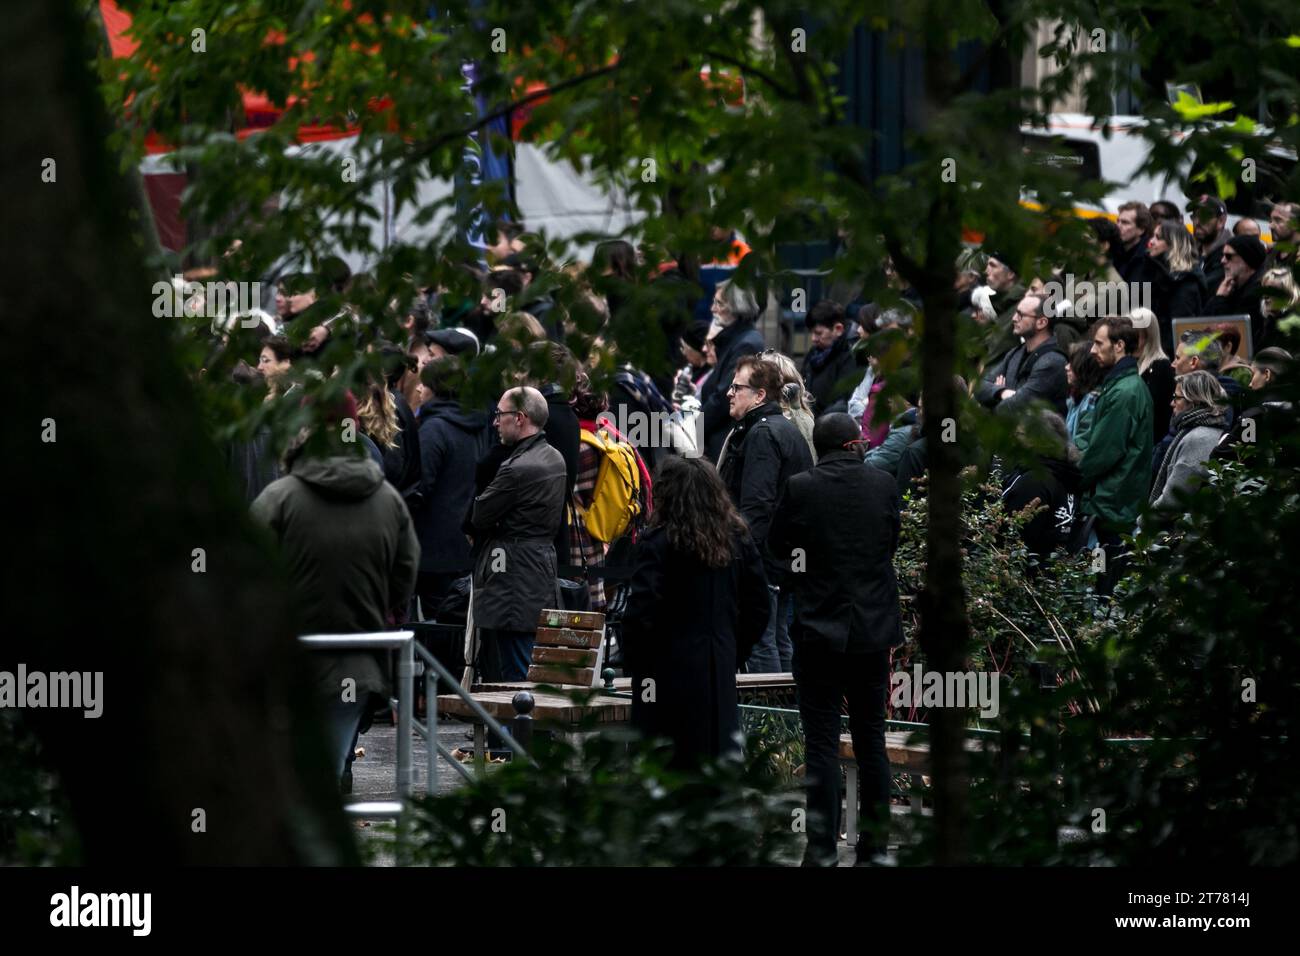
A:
[(452, 439), (1047, 481), (830, 369), (762, 453), (735, 310)]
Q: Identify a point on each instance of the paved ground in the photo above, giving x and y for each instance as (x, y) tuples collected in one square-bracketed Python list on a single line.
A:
[(374, 778)]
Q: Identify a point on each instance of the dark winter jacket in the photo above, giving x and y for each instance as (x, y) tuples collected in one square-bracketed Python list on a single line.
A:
[(830, 376), (402, 461), (764, 451), (1116, 450), (840, 523), (1130, 263), (515, 521), (1246, 299), (688, 628), (352, 555), (1159, 380), (1054, 482), (1035, 376), (1210, 265), (562, 430), (1174, 295), (451, 439), (733, 342)]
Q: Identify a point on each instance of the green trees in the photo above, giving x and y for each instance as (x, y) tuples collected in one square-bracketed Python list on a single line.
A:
[(646, 95)]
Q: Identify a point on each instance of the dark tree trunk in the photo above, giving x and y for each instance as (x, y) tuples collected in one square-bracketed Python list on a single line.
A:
[(204, 703)]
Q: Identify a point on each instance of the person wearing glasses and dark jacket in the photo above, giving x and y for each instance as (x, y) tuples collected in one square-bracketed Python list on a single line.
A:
[(735, 310), (762, 452), (837, 527), (515, 520)]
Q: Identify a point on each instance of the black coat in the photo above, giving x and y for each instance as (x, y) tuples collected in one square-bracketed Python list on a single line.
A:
[(1130, 263), (733, 342), (764, 452), (1245, 300), (688, 628), (840, 368), (451, 441), (843, 517), (1175, 295), (1055, 484), (402, 461), (1159, 380)]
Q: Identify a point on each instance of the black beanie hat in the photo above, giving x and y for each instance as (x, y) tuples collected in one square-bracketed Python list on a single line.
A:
[(1251, 250)]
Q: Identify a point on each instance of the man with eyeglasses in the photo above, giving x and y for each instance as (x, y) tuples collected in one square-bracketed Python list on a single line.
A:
[(1241, 291), (762, 452), (515, 521)]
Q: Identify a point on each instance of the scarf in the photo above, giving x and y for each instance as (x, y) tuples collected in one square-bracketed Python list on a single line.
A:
[(1183, 423)]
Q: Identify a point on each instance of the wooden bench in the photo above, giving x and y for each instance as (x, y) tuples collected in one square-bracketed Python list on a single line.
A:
[(912, 759), (569, 651)]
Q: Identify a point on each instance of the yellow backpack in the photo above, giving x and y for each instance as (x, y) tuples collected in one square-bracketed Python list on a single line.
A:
[(616, 498)]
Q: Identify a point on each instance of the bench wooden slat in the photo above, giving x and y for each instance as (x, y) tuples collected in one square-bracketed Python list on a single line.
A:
[(577, 620), (575, 676), (567, 637), (565, 655)]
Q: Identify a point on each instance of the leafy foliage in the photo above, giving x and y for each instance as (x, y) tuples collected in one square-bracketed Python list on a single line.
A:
[(35, 822), (611, 803)]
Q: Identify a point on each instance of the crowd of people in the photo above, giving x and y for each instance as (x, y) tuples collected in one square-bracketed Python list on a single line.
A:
[(765, 544)]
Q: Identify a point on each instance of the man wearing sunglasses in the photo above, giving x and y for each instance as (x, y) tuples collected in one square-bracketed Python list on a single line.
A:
[(1241, 291), (515, 521)]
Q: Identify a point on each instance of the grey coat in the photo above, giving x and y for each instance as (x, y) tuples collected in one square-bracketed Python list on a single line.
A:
[(1184, 463), (515, 521)]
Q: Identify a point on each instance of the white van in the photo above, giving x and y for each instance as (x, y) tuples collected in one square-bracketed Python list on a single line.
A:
[(1076, 142)]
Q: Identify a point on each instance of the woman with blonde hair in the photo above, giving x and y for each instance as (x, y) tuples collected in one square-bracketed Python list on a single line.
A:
[(1156, 369), (794, 400), (1179, 290)]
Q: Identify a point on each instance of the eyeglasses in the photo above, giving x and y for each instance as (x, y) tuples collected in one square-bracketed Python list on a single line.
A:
[(505, 411), (734, 386)]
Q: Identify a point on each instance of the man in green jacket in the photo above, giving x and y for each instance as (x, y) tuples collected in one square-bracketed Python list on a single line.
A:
[(1116, 450)]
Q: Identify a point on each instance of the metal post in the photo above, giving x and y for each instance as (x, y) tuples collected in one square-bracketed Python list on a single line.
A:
[(522, 726), (405, 702), (431, 722)]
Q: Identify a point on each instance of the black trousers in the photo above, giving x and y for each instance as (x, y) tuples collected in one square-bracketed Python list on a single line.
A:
[(824, 678), (432, 587)]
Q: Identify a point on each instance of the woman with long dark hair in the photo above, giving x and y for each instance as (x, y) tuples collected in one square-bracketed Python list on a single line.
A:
[(697, 605)]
